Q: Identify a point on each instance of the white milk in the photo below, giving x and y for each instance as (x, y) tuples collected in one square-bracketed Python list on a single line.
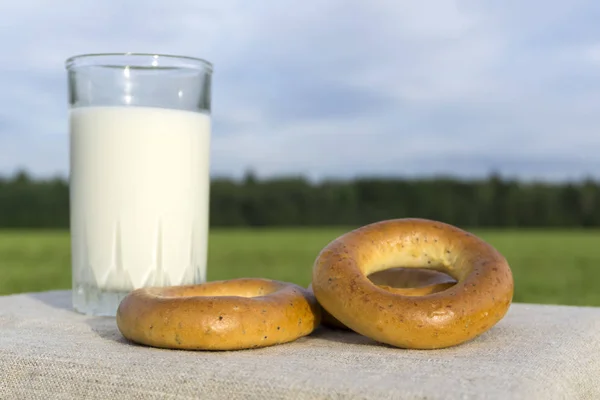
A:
[(139, 198)]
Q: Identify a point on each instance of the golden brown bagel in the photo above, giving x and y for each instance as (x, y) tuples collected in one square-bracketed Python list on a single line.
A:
[(480, 298), (220, 315), (404, 281)]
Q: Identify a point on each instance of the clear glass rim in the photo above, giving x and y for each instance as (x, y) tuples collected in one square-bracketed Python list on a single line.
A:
[(122, 60)]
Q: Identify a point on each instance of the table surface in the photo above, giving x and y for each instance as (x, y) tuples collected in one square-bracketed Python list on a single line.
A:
[(536, 352)]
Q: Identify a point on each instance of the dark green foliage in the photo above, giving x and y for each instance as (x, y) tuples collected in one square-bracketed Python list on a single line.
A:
[(294, 201)]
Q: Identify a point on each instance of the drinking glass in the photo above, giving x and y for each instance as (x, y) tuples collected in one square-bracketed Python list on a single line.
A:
[(139, 139)]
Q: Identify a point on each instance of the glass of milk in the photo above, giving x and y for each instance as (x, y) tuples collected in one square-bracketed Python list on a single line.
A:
[(140, 132)]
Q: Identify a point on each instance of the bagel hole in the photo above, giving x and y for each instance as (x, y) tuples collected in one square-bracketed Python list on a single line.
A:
[(428, 280)]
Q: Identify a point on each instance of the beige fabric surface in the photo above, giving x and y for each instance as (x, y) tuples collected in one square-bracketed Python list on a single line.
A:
[(48, 351)]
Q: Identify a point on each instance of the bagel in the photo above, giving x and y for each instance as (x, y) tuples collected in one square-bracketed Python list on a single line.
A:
[(405, 281), (480, 298), (220, 315)]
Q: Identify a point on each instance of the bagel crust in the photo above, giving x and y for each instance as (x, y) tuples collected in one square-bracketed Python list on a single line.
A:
[(220, 315), (480, 298)]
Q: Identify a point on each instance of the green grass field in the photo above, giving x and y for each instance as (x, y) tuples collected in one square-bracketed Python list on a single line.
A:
[(555, 267)]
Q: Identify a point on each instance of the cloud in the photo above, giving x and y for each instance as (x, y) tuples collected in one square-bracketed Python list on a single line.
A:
[(334, 88)]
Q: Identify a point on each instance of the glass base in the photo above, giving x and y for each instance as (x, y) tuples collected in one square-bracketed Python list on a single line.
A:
[(90, 300)]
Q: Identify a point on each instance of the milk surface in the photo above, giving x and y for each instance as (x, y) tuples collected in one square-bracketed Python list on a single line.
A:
[(139, 197)]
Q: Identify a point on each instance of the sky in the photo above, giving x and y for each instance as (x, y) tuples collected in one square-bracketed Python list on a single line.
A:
[(333, 88)]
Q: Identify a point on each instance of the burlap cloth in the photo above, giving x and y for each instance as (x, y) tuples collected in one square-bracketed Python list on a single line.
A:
[(48, 351)]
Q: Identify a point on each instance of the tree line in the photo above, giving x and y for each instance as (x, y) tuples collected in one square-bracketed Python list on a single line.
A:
[(295, 201)]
